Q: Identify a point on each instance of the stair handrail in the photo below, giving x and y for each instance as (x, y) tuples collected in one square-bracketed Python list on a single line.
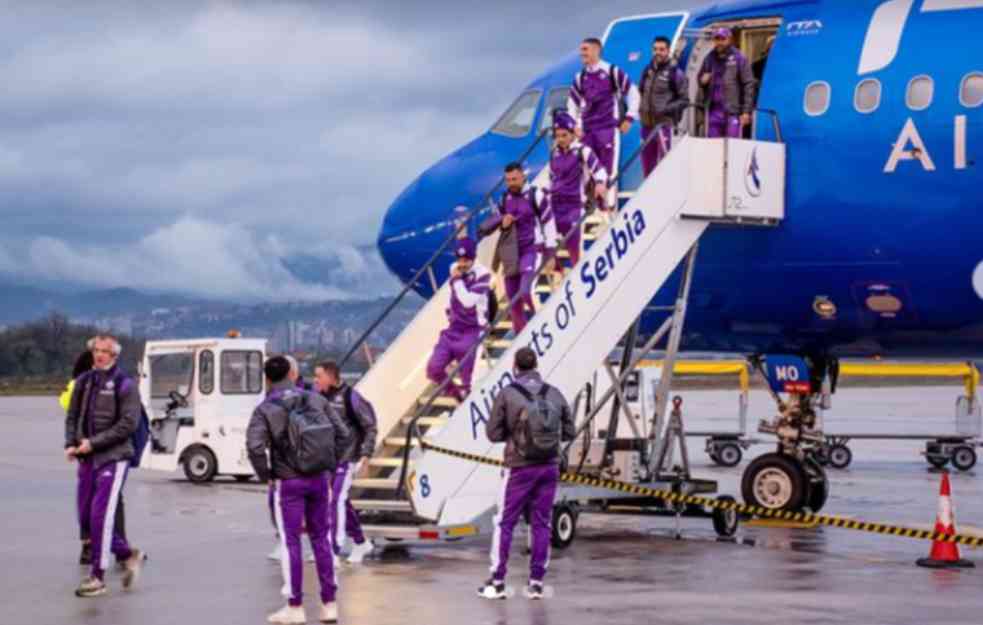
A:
[(462, 225), (413, 429)]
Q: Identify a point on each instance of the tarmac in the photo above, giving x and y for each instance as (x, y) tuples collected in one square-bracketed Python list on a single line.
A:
[(207, 545)]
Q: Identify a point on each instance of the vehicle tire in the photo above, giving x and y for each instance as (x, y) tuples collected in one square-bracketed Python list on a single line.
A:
[(821, 455), (818, 493), (725, 522), (964, 457), (199, 465), (938, 463), (242, 479), (713, 456), (840, 456), (730, 454), (564, 528), (776, 482)]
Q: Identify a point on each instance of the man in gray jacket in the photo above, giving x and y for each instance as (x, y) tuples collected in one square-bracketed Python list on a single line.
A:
[(728, 87), (665, 96), (298, 498), (103, 415), (530, 480)]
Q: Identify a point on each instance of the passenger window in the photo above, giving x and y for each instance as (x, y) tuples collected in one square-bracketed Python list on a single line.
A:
[(867, 96), (517, 121), (557, 99), (242, 373), (921, 90), (206, 372), (971, 90), (817, 98)]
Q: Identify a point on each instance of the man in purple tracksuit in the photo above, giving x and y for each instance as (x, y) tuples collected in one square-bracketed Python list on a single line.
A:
[(468, 315), (527, 230), (595, 102), (665, 96), (299, 498), (102, 417), (360, 418), (728, 85), (529, 486), (569, 160)]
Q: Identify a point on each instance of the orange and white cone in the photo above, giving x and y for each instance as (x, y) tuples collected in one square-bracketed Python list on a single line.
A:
[(944, 554)]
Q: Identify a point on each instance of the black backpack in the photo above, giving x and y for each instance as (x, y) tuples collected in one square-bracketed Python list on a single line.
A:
[(538, 433), (309, 441), (140, 435), (622, 111)]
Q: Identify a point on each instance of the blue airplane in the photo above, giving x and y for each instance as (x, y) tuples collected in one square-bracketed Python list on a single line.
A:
[(881, 250)]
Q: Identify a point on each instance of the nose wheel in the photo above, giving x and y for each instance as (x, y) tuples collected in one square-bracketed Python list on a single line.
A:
[(779, 482)]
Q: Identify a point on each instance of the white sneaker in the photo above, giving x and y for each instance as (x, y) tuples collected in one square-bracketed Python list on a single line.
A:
[(132, 568), (275, 554), (329, 613), (493, 589), (359, 551), (288, 615)]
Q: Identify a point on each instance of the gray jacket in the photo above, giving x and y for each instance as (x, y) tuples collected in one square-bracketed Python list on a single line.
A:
[(269, 424), (105, 408), (507, 409), (738, 81), (665, 94), (359, 417)]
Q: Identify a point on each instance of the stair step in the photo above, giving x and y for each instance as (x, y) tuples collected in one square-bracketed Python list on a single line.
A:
[(375, 483), (383, 505), (387, 463), (426, 421), (443, 401), (400, 441), (500, 344)]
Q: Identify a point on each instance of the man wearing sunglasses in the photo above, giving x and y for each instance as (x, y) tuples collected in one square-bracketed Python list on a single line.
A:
[(728, 87)]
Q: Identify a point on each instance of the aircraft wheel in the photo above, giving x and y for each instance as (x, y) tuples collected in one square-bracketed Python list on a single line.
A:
[(840, 456), (564, 526), (818, 493), (200, 465), (729, 454), (776, 482), (964, 458), (725, 522)]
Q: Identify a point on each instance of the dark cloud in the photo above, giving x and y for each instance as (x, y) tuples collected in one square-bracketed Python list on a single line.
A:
[(169, 132)]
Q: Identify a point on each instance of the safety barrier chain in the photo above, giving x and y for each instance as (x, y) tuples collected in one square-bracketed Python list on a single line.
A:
[(733, 506)]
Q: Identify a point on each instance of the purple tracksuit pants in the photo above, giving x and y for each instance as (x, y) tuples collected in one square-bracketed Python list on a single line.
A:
[(720, 124), (522, 283), (657, 148), (454, 345), (341, 508), (605, 143), (526, 489), (97, 496), (567, 213), (296, 502)]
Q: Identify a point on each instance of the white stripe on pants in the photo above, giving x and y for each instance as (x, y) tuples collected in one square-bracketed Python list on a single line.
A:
[(282, 533), (109, 522), (497, 521), (341, 507)]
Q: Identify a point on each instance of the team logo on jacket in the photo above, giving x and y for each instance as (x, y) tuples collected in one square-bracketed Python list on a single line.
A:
[(752, 181), (110, 385)]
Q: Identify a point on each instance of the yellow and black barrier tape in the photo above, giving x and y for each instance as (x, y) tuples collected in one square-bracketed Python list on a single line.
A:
[(734, 506)]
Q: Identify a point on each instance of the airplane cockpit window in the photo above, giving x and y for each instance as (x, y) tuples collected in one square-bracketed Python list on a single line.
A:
[(921, 90), (971, 90), (557, 99), (817, 98), (518, 120), (867, 96)]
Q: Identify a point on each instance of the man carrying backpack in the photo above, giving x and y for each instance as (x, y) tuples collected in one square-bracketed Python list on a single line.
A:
[(303, 435), (532, 419), (665, 96), (103, 415), (360, 417), (468, 316)]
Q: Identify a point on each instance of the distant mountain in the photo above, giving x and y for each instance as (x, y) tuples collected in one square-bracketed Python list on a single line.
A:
[(25, 303)]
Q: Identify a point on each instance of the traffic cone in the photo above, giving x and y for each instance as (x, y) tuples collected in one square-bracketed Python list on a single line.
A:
[(944, 554)]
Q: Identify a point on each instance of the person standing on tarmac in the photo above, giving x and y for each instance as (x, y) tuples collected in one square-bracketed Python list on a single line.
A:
[(665, 96), (299, 497), (360, 418), (532, 419), (103, 414), (569, 161), (602, 101), (728, 87)]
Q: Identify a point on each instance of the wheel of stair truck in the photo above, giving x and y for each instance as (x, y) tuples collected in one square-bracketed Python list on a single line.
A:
[(725, 522), (964, 457), (776, 482), (840, 456), (729, 454), (200, 465), (564, 526)]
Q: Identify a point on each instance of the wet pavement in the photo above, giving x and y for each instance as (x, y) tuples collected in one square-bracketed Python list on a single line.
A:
[(208, 545)]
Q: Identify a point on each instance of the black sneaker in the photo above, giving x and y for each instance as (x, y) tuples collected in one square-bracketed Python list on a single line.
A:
[(85, 556), (534, 590), (492, 589)]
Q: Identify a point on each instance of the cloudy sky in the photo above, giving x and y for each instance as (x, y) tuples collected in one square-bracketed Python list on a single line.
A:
[(195, 147)]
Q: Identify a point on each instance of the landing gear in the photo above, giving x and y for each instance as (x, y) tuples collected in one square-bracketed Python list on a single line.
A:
[(777, 481)]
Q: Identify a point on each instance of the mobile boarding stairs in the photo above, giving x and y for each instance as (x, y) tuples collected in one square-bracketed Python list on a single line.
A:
[(407, 492)]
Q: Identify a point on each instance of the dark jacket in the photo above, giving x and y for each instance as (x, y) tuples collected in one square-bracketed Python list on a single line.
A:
[(105, 408), (269, 424), (665, 94), (360, 419), (505, 413), (739, 82)]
